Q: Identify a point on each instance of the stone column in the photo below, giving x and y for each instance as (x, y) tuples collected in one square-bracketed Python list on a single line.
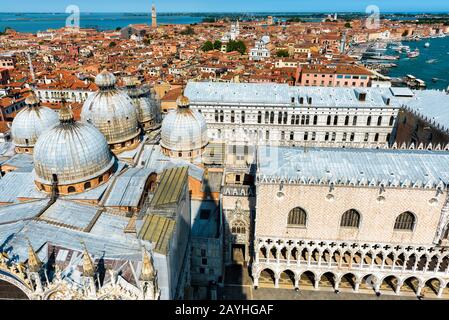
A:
[(398, 288), (440, 291), (256, 281), (316, 283), (404, 266), (418, 292), (276, 281), (320, 258), (357, 286), (296, 282), (416, 264), (437, 267)]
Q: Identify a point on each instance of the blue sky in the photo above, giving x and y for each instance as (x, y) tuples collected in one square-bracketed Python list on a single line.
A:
[(223, 5)]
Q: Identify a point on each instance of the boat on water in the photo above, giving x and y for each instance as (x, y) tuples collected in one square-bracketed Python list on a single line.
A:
[(413, 54), (427, 45)]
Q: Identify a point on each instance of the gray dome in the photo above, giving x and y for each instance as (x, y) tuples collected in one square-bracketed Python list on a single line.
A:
[(146, 106), (184, 129), (111, 111), (105, 79), (73, 151), (31, 122)]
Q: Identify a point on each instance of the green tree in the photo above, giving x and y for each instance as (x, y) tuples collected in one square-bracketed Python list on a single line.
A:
[(282, 53), (236, 46), (207, 46), (118, 28), (217, 45), (147, 41), (348, 25), (188, 31), (112, 44)]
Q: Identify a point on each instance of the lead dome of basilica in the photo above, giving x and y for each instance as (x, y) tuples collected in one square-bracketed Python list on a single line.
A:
[(145, 103), (184, 131), (73, 155), (30, 123), (112, 112)]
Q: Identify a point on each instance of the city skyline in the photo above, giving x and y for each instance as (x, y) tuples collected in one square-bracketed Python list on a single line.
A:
[(229, 6)]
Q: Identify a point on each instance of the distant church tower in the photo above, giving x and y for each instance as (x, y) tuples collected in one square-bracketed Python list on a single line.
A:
[(153, 17)]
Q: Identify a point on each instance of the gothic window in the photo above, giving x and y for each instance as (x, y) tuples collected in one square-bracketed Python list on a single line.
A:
[(71, 189), (334, 136), (368, 121), (306, 136), (303, 120), (346, 120), (351, 219), (285, 117), (238, 227), (87, 185), (313, 136), (232, 116), (243, 116), (335, 120), (376, 137), (391, 121), (352, 137), (279, 117), (297, 217), (259, 117), (354, 121), (388, 137), (379, 121), (297, 119), (405, 221), (272, 117), (315, 120), (366, 137), (267, 116), (326, 136), (307, 120), (328, 122), (221, 116)]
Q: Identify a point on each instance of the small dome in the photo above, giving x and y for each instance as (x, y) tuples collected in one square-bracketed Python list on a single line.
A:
[(31, 122), (73, 152), (111, 111), (184, 129), (183, 101), (146, 106), (105, 79)]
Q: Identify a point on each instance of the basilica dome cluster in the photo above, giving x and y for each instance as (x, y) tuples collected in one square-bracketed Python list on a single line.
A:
[(113, 113), (72, 157), (184, 131), (30, 123)]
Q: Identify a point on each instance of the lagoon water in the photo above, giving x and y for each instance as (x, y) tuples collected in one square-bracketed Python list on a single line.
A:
[(34, 22), (433, 62)]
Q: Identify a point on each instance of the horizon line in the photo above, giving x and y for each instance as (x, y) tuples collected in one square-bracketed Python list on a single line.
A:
[(238, 12)]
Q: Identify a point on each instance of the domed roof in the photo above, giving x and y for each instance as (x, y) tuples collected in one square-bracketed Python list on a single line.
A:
[(73, 151), (31, 122), (105, 79), (184, 129), (111, 111), (147, 109)]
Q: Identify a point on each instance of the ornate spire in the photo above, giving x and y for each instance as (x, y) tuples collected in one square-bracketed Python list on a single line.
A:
[(65, 114), (183, 101), (32, 100), (88, 265), (34, 263), (147, 273)]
